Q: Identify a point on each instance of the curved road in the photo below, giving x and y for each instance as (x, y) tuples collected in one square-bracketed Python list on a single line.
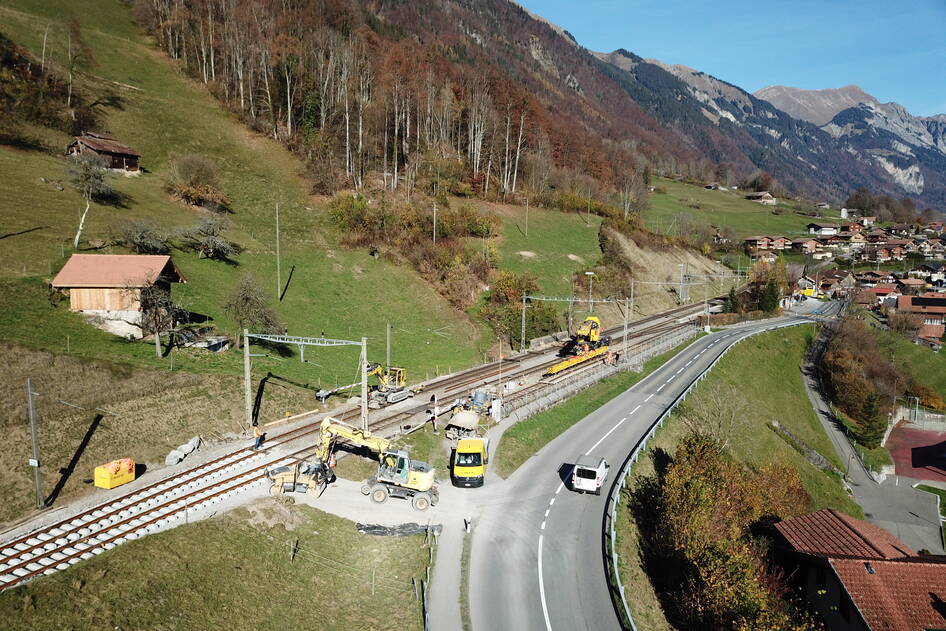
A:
[(537, 558)]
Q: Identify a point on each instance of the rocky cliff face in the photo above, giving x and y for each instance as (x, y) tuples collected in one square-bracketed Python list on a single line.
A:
[(911, 149)]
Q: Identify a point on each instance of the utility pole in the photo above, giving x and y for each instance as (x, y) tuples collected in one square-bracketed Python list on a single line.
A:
[(248, 399), (522, 340), (591, 282), (630, 314), (34, 461), (387, 348), (435, 223), (527, 216), (364, 384), (626, 305), (278, 271)]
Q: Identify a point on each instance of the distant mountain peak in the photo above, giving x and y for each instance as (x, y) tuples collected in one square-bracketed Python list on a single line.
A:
[(814, 106)]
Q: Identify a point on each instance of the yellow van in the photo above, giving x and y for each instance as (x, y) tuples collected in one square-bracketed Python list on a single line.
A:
[(469, 462)]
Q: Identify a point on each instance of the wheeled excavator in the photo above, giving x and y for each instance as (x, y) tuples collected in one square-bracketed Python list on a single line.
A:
[(397, 476)]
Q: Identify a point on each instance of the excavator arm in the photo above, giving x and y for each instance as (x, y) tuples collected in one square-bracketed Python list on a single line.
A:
[(332, 429)]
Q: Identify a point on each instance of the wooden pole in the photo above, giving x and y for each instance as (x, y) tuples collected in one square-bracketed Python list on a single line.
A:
[(278, 270), (387, 347)]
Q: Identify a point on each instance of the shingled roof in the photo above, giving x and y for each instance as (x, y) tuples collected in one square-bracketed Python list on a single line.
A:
[(829, 533), (896, 595), (116, 270)]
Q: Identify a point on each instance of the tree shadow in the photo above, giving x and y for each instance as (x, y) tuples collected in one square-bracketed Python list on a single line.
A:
[(931, 457), (67, 471), (16, 140), (285, 288), (27, 231)]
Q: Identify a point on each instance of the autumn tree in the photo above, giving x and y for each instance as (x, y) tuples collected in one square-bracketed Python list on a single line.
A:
[(873, 425)]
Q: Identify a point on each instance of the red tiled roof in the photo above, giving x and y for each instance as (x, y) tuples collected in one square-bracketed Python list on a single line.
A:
[(916, 282), (910, 304), (896, 595), (106, 144), (829, 533), (115, 270), (883, 289)]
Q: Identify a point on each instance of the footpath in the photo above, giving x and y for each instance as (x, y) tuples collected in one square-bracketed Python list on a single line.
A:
[(894, 505)]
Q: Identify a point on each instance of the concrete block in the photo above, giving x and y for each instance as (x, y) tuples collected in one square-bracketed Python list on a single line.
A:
[(174, 457)]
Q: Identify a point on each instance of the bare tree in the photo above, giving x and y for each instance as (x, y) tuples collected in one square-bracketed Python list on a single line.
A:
[(248, 306), (87, 175), (207, 239), (144, 237), (718, 411)]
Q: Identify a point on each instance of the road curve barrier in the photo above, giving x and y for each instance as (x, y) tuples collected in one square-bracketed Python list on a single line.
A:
[(609, 535)]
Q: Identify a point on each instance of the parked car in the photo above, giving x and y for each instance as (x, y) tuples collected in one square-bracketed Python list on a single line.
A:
[(589, 474)]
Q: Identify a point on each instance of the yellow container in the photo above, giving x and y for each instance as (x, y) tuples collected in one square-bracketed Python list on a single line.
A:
[(115, 473)]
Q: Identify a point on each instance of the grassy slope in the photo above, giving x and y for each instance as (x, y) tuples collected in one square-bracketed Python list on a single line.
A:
[(552, 236), (927, 367), (776, 393), (524, 439), (724, 208), (225, 573), (333, 290)]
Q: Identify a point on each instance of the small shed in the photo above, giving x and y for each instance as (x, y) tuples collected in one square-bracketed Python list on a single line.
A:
[(108, 286), (115, 154)]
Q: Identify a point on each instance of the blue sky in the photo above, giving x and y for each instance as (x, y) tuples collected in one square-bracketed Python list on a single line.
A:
[(894, 50)]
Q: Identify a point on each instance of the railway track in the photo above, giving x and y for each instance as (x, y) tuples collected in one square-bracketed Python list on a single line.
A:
[(166, 503)]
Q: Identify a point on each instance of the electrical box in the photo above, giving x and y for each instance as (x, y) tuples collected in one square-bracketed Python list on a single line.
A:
[(115, 473)]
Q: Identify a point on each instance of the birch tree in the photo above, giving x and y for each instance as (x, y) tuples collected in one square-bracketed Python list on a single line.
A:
[(87, 175)]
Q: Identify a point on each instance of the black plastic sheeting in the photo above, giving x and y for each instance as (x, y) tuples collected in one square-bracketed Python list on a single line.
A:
[(402, 530)]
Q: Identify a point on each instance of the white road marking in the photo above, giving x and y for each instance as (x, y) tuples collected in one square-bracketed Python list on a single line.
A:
[(671, 378), (661, 387), (649, 397), (608, 434), (551, 501), (543, 524), (688, 363), (559, 489), (681, 370), (631, 413), (546, 512), (545, 606), (701, 352)]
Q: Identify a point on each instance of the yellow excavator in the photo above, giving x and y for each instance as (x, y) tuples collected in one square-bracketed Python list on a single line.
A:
[(586, 344), (397, 476), (586, 338), (391, 388)]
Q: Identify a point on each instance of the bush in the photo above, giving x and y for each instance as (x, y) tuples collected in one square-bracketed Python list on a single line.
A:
[(194, 180)]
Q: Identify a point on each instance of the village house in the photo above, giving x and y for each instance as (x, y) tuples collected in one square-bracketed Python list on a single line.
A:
[(806, 246), (763, 197), (868, 221), (768, 256), (822, 255), (116, 155), (911, 286), (836, 282), (931, 306), (901, 229), (931, 272), (758, 242), (876, 254), (780, 243), (822, 229), (854, 226), (107, 287), (879, 295), (858, 576), (824, 206)]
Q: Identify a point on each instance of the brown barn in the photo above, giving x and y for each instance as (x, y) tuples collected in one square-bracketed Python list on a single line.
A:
[(116, 155), (108, 286)]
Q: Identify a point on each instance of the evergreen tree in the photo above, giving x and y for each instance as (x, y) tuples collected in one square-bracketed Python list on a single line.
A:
[(732, 301), (873, 425), (768, 301)]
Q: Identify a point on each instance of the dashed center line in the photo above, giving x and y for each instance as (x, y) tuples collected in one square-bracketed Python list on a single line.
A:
[(607, 434), (688, 363), (682, 369), (649, 397), (671, 378), (662, 386), (543, 524)]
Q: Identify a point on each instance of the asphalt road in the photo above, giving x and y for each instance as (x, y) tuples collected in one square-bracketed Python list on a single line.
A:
[(537, 558)]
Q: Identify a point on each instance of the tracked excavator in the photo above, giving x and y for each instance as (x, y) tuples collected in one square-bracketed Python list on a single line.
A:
[(391, 388), (397, 476)]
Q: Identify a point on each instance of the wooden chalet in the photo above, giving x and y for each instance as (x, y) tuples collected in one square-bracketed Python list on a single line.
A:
[(115, 154)]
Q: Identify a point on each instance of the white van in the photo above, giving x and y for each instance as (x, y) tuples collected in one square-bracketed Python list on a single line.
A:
[(589, 474)]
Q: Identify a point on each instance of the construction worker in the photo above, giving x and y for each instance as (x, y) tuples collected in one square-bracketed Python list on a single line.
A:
[(259, 435)]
